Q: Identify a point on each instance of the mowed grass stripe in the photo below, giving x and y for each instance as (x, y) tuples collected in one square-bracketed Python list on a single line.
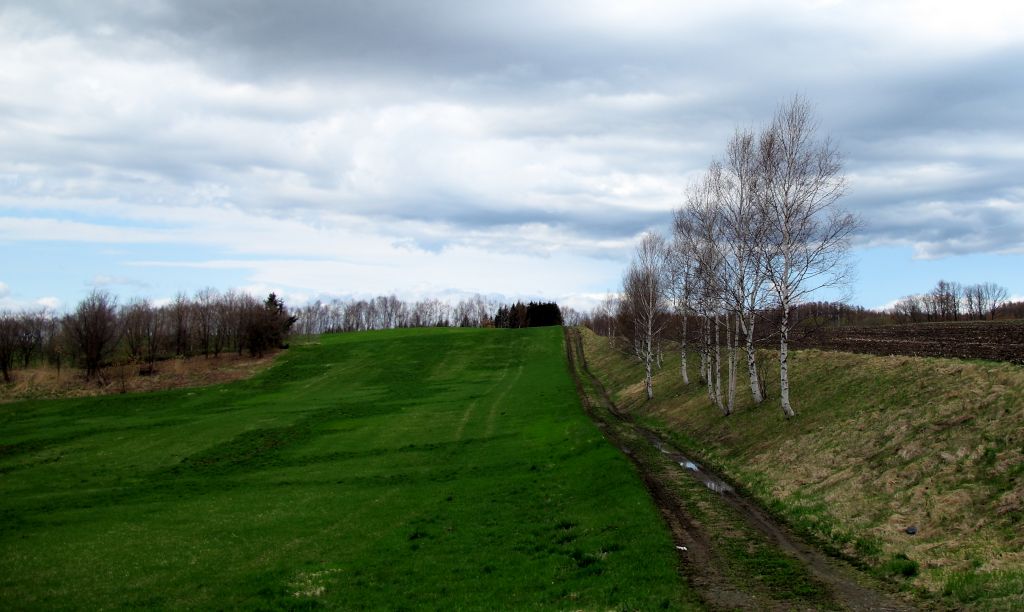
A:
[(405, 469)]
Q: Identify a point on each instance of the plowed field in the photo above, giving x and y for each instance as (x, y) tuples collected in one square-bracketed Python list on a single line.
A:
[(995, 340)]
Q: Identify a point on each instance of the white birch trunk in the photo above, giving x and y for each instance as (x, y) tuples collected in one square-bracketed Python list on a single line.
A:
[(718, 370), (732, 335), (682, 355), (704, 351), (709, 377), (648, 380), (706, 366), (708, 360), (755, 383), (784, 361)]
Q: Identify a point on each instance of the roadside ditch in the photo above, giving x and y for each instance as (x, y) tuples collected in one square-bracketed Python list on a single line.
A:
[(730, 550)]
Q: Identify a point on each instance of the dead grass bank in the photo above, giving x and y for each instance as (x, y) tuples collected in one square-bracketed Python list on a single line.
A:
[(880, 444), (46, 382)]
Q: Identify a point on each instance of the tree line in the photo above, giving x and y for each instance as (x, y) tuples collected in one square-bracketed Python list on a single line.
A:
[(99, 332), (761, 229), (951, 301), (919, 308), (948, 301), (390, 312)]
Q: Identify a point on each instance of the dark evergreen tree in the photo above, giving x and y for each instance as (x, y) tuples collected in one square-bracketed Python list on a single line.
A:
[(543, 314), (268, 326)]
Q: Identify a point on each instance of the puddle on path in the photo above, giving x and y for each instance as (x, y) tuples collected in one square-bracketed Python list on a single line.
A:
[(709, 481)]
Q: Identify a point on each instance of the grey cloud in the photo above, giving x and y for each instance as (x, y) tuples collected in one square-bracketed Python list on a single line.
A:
[(943, 228), (505, 47), (543, 79), (979, 93)]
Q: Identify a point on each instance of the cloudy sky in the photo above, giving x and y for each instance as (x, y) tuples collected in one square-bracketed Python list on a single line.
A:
[(518, 148)]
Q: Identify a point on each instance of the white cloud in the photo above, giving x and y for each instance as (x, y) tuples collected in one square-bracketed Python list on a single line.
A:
[(469, 269), (12, 301), (464, 147), (904, 179), (887, 306)]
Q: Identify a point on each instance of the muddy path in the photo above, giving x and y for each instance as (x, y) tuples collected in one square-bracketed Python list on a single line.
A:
[(722, 538)]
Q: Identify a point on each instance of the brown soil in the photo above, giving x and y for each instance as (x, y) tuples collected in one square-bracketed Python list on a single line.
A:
[(44, 382), (994, 340), (699, 562)]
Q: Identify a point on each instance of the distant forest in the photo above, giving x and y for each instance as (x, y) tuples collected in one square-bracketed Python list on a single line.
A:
[(388, 311), (100, 333), (947, 301)]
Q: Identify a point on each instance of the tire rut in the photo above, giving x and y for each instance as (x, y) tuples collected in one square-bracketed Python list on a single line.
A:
[(699, 561)]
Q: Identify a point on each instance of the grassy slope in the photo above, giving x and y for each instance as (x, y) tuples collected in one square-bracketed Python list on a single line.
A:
[(429, 468), (879, 444), (735, 564)]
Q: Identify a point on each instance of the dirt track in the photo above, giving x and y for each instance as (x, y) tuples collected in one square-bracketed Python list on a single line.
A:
[(701, 562)]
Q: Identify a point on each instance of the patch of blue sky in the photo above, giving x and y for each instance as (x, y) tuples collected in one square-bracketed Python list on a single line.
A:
[(67, 271), (94, 216), (885, 274)]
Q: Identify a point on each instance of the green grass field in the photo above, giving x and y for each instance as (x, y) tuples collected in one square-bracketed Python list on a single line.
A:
[(446, 469)]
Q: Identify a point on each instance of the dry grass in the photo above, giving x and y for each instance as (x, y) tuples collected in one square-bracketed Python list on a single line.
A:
[(879, 444), (45, 382)]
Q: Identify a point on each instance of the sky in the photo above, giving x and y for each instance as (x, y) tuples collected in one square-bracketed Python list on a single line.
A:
[(327, 149)]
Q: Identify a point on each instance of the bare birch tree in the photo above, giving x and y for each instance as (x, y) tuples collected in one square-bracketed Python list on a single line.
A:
[(807, 235), (699, 235), (743, 233), (679, 272), (607, 309), (644, 294)]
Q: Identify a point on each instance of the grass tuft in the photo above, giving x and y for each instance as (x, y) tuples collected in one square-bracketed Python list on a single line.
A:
[(999, 587), (900, 565)]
